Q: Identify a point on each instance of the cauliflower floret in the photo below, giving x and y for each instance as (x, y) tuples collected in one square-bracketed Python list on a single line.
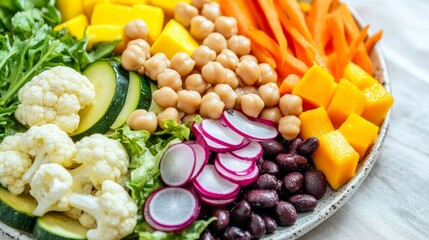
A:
[(102, 159), (50, 187), (113, 209), (55, 96), (13, 166)]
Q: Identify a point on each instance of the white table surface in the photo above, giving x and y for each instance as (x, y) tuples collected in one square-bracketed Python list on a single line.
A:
[(393, 202)]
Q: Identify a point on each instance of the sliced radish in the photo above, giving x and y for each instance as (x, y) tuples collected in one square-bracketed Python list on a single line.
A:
[(211, 185), (242, 125), (213, 146), (252, 152), (177, 164), (234, 165), (171, 208), (217, 202), (221, 134), (242, 180), (201, 158)]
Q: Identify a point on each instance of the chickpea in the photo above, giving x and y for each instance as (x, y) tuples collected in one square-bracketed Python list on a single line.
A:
[(226, 94), (214, 73), (248, 71), (290, 104), (251, 104), (201, 27), (270, 94), (211, 106), (268, 74), (182, 63), (170, 113), (199, 3), (239, 44), (141, 119), (189, 117), (215, 41), (196, 82), (188, 101), (142, 44), (136, 29), (183, 13), (202, 55), (211, 11), (231, 78), (156, 65), (133, 58), (245, 90), (165, 97), (170, 78), (250, 58), (228, 59), (272, 114), (209, 89), (289, 127), (227, 26)]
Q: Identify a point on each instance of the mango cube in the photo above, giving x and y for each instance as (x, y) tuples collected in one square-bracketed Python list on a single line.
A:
[(378, 103), (315, 122), (347, 99), (168, 6), (88, 5), (75, 26), (174, 38), (359, 132), (107, 33), (154, 18), (316, 87), (69, 9), (336, 158), (358, 76)]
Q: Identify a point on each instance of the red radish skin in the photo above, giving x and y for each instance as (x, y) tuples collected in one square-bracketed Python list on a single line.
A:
[(212, 185), (234, 165), (244, 126), (252, 152), (178, 156), (221, 134), (242, 180)]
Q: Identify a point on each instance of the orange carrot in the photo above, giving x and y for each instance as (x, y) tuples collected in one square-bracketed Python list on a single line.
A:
[(354, 46), (371, 41), (237, 9), (259, 17), (293, 10), (316, 22), (263, 55), (336, 28), (288, 84), (334, 5)]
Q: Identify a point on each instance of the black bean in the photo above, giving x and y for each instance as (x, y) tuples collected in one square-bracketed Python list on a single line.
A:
[(235, 233), (266, 181), (207, 235), (303, 202), (270, 224), (292, 146), (262, 198), (222, 220), (271, 148), (259, 163), (308, 147), (289, 162), (256, 226), (293, 181), (285, 213), (241, 212), (269, 167), (315, 183)]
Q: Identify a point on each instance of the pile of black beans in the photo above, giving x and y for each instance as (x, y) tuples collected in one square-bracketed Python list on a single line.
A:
[(288, 184)]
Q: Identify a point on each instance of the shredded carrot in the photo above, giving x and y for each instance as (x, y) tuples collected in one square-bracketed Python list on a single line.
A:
[(263, 55), (293, 10), (259, 17), (336, 28), (288, 84), (316, 22), (354, 46), (334, 5), (237, 9), (371, 41)]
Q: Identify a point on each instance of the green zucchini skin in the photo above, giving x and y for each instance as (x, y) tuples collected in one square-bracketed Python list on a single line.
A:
[(57, 226), (17, 211), (145, 93)]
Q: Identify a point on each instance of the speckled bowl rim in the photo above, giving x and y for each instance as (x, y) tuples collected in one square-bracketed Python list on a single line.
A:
[(332, 200)]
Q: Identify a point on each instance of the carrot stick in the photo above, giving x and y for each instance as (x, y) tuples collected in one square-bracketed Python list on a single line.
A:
[(354, 46), (316, 22), (288, 84), (293, 10), (334, 5), (371, 41), (263, 55), (259, 17), (336, 28), (238, 9)]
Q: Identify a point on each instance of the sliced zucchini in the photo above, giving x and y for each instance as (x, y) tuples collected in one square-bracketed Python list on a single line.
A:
[(17, 211), (111, 86), (57, 226), (154, 107), (139, 96)]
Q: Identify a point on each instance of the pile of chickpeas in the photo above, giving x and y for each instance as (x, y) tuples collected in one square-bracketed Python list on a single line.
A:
[(221, 74)]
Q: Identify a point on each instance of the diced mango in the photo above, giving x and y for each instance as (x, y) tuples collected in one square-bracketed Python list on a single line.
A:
[(316, 87), (359, 132), (358, 76), (174, 38), (347, 99), (75, 26), (107, 33), (336, 158), (315, 122), (88, 5), (378, 103), (153, 16), (167, 5), (69, 9)]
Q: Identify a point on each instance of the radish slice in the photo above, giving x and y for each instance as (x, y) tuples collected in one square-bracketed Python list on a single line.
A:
[(211, 185), (252, 152), (242, 125), (220, 134), (234, 165), (201, 159), (213, 146), (172, 208), (217, 202), (178, 156), (242, 180)]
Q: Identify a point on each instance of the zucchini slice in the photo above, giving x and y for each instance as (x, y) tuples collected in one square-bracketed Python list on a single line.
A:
[(111, 86), (57, 226), (17, 211), (154, 107)]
